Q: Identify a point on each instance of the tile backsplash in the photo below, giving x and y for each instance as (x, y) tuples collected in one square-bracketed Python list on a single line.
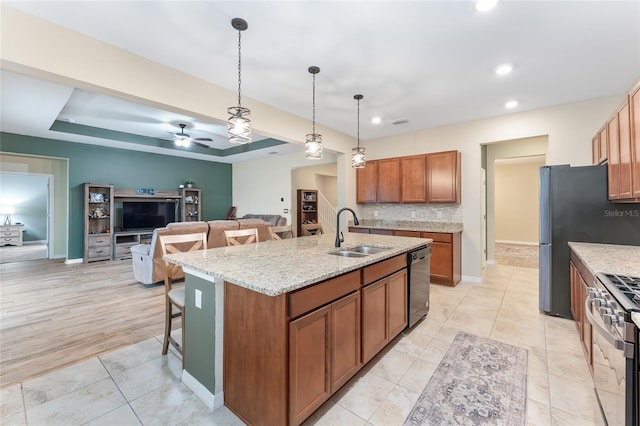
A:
[(422, 212)]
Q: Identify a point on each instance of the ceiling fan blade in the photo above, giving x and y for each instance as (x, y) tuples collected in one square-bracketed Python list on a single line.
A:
[(203, 139), (195, 142)]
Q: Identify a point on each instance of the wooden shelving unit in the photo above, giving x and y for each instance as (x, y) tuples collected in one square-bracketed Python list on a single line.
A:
[(307, 208), (98, 221), (190, 205)]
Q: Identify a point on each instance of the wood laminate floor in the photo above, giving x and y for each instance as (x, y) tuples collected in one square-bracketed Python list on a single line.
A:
[(53, 314)]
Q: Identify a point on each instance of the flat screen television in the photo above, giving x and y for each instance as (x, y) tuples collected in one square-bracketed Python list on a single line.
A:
[(147, 214)]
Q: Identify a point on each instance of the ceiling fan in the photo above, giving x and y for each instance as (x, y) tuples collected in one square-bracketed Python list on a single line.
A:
[(184, 139)]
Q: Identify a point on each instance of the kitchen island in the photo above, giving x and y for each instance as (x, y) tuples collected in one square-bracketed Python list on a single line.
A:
[(282, 325)]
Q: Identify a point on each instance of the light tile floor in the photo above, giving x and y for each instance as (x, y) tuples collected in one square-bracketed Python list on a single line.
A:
[(136, 385)]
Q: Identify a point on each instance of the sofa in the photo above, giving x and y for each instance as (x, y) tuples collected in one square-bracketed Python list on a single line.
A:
[(148, 266), (273, 219)]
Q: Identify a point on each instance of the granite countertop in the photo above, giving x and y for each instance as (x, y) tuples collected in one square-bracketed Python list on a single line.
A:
[(609, 258), (410, 225), (277, 267)]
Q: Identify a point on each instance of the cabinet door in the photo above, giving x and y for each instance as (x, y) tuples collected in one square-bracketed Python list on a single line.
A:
[(309, 363), (381, 231), (595, 149), (389, 180), (358, 230), (374, 319), (397, 303), (443, 177), (604, 144), (366, 183), (614, 159), (441, 260), (635, 141), (585, 324), (624, 143), (345, 339), (413, 179)]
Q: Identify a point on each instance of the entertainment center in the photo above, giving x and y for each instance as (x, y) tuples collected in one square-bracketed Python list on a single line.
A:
[(116, 220)]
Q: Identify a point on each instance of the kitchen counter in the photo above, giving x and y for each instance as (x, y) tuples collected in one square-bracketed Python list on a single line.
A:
[(409, 225), (609, 258), (278, 267)]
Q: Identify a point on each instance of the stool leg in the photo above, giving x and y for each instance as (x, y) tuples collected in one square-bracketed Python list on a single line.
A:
[(167, 325)]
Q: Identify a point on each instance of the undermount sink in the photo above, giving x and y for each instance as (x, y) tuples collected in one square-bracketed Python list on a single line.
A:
[(358, 251)]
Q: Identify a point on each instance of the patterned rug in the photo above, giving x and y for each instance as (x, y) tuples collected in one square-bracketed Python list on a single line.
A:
[(478, 382)]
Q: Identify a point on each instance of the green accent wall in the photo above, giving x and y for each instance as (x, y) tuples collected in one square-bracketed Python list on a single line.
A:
[(125, 169), (199, 340)]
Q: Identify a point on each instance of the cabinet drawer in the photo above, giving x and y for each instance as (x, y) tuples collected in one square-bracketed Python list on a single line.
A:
[(99, 241), (381, 231), (10, 240), (438, 237), (305, 300), (401, 233), (99, 252), (382, 269), (123, 250), (9, 234)]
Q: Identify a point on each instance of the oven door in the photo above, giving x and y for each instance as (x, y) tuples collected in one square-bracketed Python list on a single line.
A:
[(612, 369)]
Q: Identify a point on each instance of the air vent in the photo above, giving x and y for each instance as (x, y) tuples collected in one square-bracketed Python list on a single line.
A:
[(400, 121)]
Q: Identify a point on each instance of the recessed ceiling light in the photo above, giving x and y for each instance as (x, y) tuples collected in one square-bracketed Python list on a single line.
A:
[(485, 5), (376, 120), (511, 104), (504, 69)]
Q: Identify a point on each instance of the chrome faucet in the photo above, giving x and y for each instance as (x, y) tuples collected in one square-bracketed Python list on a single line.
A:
[(339, 236)]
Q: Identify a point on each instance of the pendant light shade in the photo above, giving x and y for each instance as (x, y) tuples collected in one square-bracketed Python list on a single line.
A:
[(358, 159), (313, 145), (239, 117)]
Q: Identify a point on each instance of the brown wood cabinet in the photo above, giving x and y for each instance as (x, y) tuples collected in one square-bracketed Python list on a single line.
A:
[(446, 257), (307, 208), (389, 180), (443, 177), (384, 312), (634, 102), (430, 178), (367, 183), (98, 221), (579, 276), (413, 181), (190, 204), (285, 355)]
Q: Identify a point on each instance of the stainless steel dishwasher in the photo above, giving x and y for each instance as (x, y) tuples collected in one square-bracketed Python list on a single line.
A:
[(419, 268)]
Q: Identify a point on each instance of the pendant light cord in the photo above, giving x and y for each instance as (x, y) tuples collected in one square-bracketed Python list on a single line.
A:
[(239, 65), (358, 123), (314, 105)]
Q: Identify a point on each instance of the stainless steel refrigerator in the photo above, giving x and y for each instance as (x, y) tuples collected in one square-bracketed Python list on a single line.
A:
[(574, 206)]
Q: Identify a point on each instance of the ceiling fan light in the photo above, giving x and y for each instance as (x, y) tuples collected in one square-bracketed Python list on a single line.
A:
[(239, 125), (358, 158), (313, 146), (183, 141)]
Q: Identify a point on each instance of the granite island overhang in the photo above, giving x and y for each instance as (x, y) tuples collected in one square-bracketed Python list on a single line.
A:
[(268, 271)]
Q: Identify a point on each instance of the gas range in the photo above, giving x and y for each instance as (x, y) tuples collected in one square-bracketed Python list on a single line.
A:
[(624, 289)]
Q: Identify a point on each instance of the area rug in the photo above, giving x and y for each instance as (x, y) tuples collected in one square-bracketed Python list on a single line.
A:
[(478, 382)]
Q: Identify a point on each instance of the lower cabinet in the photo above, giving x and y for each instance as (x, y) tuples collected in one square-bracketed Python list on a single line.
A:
[(579, 293), (324, 353), (384, 312)]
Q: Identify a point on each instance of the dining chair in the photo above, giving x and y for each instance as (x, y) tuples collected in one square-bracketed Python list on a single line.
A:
[(175, 295), (281, 232), (311, 229), (238, 237)]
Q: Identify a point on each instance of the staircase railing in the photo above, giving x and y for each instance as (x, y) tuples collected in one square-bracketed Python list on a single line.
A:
[(326, 212)]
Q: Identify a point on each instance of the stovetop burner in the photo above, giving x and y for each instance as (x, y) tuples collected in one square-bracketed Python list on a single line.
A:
[(625, 286)]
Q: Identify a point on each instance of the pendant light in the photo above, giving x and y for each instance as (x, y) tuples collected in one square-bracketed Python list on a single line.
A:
[(239, 117), (313, 145), (358, 160)]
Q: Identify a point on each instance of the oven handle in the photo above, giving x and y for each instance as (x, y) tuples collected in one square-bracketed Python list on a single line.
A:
[(615, 342)]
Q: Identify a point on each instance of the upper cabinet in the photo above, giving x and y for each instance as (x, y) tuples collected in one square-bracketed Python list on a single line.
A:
[(366, 183), (389, 180), (425, 178), (413, 172), (443, 177), (617, 144)]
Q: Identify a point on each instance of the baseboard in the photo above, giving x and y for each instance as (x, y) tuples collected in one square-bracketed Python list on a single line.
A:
[(34, 242), (522, 243), (491, 261), (212, 401), (70, 261), (471, 279)]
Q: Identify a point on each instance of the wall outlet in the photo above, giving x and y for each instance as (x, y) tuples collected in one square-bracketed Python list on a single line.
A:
[(198, 299), (413, 214), (286, 210), (375, 213)]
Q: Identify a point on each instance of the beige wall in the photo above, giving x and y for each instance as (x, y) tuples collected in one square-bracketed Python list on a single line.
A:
[(309, 177), (516, 199), (38, 48)]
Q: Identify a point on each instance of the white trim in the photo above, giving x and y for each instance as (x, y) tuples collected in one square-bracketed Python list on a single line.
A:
[(71, 261), (470, 279), (522, 243), (34, 242), (198, 274), (212, 401), (491, 261)]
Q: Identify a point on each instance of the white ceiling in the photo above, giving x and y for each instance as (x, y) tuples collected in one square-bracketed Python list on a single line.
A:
[(429, 62)]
